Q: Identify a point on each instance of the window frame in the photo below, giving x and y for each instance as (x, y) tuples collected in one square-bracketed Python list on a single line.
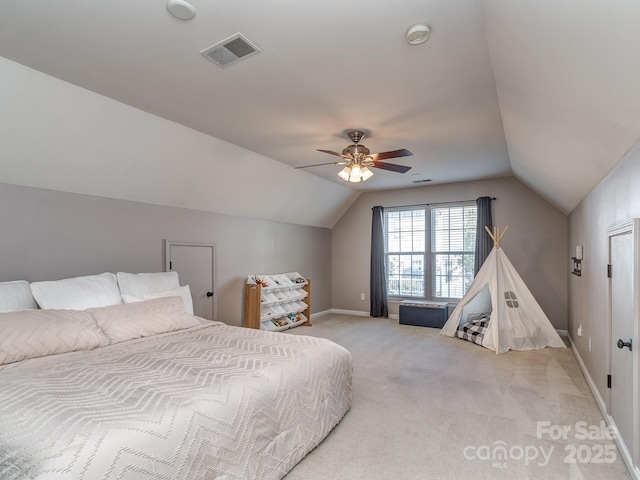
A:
[(423, 253), (462, 252), (428, 255)]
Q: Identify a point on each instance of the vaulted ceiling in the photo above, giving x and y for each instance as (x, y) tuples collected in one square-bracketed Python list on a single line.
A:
[(545, 90)]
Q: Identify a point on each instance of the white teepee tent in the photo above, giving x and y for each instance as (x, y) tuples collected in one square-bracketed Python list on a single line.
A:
[(498, 294)]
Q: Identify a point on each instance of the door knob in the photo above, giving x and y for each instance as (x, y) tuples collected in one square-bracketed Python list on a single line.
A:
[(622, 344), (209, 294)]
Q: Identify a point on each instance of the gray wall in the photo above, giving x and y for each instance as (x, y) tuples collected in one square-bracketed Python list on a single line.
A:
[(614, 200), (48, 235), (536, 242)]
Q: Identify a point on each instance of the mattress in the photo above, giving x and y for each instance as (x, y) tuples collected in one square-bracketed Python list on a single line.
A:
[(206, 402)]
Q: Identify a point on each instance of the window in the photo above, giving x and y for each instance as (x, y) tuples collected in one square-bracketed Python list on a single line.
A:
[(453, 245), (430, 249), (405, 240)]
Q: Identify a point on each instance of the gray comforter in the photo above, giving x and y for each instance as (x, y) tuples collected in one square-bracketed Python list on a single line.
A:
[(209, 402)]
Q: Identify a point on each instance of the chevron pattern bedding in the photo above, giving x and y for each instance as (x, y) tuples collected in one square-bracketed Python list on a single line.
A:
[(206, 402)]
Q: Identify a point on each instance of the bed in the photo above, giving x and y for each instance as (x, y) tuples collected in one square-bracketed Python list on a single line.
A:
[(144, 390)]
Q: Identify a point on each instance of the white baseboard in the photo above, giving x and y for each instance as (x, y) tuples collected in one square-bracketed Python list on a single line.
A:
[(622, 447), (320, 314), (358, 313), (350, 312)]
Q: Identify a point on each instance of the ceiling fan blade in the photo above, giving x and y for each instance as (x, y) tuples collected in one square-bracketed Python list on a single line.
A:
[(333, 153), (392, 154), (320, 164), (391, 167)]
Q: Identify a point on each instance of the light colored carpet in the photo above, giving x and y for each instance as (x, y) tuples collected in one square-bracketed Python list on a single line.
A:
[(433, 407)]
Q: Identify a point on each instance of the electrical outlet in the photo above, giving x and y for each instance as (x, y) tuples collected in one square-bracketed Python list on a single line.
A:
[(580, 330), (362, 296), (589, 343)]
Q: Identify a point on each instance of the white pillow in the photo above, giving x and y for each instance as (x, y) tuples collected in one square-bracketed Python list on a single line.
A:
[(142, 319), (183, 292), (141, 284), (78, 293), (16, 296), (36, 333)]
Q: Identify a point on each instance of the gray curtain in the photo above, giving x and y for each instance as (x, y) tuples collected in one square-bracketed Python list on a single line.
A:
[(484, 244), (378, 282)]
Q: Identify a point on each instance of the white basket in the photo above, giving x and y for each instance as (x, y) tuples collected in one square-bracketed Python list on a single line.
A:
[(269, 326), (296, 279), (300, 295), (301, 319), (278, 324), (268, 297), (282, 280), (267, 313)]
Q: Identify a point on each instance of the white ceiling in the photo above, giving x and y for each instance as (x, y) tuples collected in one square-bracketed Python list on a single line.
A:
[(546, 90)]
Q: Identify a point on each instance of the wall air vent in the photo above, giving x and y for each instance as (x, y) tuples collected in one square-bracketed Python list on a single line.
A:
[(230, 50)]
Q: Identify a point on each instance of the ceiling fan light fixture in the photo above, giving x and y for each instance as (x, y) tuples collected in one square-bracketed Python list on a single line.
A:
[(356, 174), (345, 173), (418, 33)]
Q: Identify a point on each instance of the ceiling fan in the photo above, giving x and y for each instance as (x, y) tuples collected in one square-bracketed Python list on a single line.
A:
[(359, 158)]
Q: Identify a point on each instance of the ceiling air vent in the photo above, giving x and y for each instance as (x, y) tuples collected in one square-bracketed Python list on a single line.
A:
[(230, 50)]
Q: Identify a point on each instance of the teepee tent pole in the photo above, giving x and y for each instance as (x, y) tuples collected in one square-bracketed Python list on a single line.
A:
[(491, 234), (496, 236)]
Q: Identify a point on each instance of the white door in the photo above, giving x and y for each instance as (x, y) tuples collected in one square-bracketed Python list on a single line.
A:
[(624, 382), (194, 263)]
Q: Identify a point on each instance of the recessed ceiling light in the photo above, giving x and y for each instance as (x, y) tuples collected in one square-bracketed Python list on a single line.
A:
[(181, 9), (418, 33)]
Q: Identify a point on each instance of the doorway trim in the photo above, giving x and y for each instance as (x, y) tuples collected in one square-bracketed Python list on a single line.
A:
[(630, 453), (167, 265)]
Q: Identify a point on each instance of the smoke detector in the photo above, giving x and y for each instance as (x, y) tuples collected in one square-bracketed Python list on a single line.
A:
[(230, 50), (181, 9), (418, 33)]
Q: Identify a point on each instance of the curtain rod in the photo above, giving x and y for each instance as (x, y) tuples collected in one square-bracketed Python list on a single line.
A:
[(435, 203)]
